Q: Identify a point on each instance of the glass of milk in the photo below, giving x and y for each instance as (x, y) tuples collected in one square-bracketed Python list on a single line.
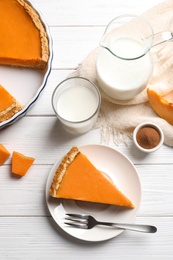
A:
[(124, 65), (76, 102)]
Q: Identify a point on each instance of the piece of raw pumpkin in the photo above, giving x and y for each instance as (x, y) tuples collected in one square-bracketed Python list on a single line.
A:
[(4, 154), (21, 163), (161, 106)]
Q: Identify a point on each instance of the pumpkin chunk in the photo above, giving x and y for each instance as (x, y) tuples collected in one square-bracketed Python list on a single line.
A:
[(4, 154), (21, 163), (161, 106)]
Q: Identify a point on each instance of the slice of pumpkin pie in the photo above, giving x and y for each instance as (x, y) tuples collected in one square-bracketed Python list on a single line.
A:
[(8, 105), (23, 38), (78, 179)]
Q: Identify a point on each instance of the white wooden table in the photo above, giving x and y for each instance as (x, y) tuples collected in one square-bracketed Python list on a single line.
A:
[(27, 231)]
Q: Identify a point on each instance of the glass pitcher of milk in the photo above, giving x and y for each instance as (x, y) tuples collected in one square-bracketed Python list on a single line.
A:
[(125, 63)]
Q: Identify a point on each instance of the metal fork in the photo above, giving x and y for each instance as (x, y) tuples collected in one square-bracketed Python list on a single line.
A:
[(87, 222)]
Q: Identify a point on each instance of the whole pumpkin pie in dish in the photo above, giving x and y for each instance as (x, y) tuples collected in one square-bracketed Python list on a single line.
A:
[(77, 178), (23, 38), (8, 105)]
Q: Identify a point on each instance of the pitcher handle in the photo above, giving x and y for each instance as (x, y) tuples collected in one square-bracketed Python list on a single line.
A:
[(162, 37)]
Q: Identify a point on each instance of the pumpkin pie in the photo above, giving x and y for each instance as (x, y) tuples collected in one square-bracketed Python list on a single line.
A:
[(77, 178), (8, 105), (23, 38)]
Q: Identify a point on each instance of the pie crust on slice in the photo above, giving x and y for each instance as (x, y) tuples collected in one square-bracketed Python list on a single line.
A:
[(8, 105), (78, 179), (23, 38)]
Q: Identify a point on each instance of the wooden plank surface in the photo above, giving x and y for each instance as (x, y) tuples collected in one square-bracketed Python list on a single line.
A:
[(27, 231), (39, 238)]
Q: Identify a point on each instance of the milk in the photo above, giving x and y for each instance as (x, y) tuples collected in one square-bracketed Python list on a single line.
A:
[(77, 106), (124, 77)]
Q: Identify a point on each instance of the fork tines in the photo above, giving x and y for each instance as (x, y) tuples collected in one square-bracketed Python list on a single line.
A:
[(81, 220), (84, 216)]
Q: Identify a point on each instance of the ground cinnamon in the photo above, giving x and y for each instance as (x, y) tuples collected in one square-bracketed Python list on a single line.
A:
[(148, 137)]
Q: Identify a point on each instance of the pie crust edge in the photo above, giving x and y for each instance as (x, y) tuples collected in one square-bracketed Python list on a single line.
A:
[(59, 174), (10, 111), (43, 35)]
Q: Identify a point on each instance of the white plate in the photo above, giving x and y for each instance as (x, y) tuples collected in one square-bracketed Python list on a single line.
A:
[(122, 172), (25, 84)]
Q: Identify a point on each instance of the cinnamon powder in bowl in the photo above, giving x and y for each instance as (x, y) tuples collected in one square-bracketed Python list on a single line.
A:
[(148, 137)]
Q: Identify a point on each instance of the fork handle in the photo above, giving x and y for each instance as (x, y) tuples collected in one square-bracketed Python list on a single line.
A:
[(132, 227)]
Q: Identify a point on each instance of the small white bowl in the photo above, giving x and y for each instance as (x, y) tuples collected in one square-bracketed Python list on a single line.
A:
[(148, 143)]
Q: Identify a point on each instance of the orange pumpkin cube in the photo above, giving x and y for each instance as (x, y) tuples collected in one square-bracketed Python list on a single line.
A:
[(4, 154), (21, 163), (161, 106)]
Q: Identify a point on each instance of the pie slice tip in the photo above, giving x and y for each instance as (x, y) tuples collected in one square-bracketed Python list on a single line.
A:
[(9, 106)]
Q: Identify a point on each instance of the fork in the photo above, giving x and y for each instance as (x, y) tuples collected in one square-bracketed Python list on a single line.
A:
[(86, 221)]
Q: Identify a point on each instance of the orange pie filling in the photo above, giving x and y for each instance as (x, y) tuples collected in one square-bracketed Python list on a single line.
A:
[(23, 40), (77, 178), (23, 43), (8, 105)]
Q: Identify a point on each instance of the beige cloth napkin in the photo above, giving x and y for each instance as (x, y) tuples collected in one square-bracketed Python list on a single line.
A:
[(120, 119)]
